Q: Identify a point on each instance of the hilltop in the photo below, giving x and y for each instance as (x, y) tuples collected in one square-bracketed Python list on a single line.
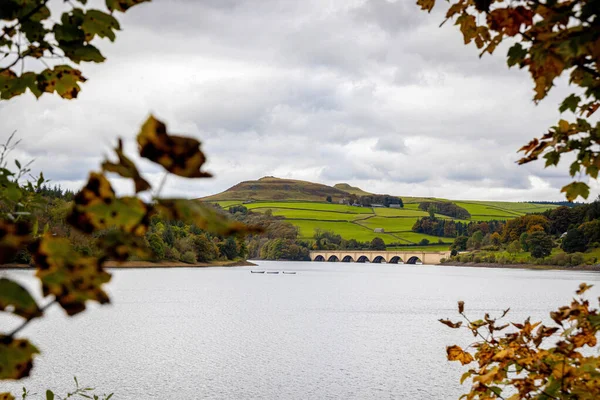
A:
[(271, 188)]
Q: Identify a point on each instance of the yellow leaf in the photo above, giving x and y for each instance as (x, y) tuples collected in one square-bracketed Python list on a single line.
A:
[(455, 353)]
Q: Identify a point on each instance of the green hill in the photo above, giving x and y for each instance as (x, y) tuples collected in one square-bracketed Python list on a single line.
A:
[(271, 188), (303, 205)]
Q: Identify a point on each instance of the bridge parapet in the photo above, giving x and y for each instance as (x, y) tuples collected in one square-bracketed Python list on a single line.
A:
[(390, 257)]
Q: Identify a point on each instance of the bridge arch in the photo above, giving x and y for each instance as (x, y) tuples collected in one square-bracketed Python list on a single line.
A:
[(348, 259), (396, 260), (414, 260), (333, 259), (379, 259), (363, 259), (319, 258)]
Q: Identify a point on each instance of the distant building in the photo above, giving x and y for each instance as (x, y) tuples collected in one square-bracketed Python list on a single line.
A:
[(395, 206), (377, 205), (357, 205), (379, 230), (247, 201)]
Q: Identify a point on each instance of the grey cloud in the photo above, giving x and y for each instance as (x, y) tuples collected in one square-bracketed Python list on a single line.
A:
[(369, 92)]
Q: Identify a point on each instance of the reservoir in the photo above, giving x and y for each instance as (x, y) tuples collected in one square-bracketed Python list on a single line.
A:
[(330, 331)]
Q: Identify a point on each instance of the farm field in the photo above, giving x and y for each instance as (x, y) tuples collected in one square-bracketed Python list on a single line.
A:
[(389, 224), (359, 223), (290, 213)]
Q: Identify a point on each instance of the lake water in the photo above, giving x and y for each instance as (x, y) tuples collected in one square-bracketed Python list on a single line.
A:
[(331, 331)]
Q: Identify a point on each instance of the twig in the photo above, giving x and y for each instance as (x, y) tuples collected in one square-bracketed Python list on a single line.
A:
[(24, 324)]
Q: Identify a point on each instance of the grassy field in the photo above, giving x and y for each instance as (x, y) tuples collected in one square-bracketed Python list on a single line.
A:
[(359, 222), (341, 208), (388, 224), (290, 213)]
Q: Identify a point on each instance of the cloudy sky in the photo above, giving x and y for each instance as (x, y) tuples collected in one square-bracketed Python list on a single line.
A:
[(369, 92)]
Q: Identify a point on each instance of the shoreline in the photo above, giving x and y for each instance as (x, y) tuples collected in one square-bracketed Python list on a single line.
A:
[(524, 266), (150, 264)]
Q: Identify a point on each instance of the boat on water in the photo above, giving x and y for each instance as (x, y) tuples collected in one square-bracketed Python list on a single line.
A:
[(289, 273), (272, 272), (257, 272)]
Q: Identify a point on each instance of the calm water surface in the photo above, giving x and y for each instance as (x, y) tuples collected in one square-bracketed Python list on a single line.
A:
[(332, 331)]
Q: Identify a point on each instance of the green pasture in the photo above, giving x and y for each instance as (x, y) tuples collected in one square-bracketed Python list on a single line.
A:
[(347, 230), (341, 208), (389, 224), (399, 212), (290, 213)]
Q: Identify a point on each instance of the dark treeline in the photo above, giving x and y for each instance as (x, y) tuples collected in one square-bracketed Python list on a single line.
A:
[(56, 192), (445, 208), (367, 201), (450, 228), (558, 203)]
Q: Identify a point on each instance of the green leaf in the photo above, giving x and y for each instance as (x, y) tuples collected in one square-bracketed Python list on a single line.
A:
[(574, 169), (49, 395), (122, 5), (16, 357), (570, 103), (12, 192), (575, 189), (552, 158), (98, 23), (516, 54), (14, 295)]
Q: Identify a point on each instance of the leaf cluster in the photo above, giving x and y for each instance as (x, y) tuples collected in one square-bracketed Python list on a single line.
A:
[(532, 360), (70, 278), (31, 33), (549, 38)]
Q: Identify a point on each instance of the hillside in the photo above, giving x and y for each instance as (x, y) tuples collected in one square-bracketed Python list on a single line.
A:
[(271, 188), (303, 205), (351, 189)]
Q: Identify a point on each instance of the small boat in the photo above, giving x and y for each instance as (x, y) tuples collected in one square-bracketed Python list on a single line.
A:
[(289, 273), (272, 272), (257, 272)]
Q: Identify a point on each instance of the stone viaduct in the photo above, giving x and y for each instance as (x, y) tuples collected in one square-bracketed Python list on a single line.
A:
[(390, 257)]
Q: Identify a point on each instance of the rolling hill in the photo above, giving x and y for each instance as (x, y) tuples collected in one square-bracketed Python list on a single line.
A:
[(303, 204)]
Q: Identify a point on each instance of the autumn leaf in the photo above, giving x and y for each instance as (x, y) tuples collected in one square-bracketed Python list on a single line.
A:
[(69, 276), (16, 357), (6, 396), (13, 236), (62, 79), (13, 295), (127, 169), (584, 287), (461, 307), (455, 353), (122, 5), (202, 215), (426, 5), (450, 323), (179, 155), (96, 208)]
